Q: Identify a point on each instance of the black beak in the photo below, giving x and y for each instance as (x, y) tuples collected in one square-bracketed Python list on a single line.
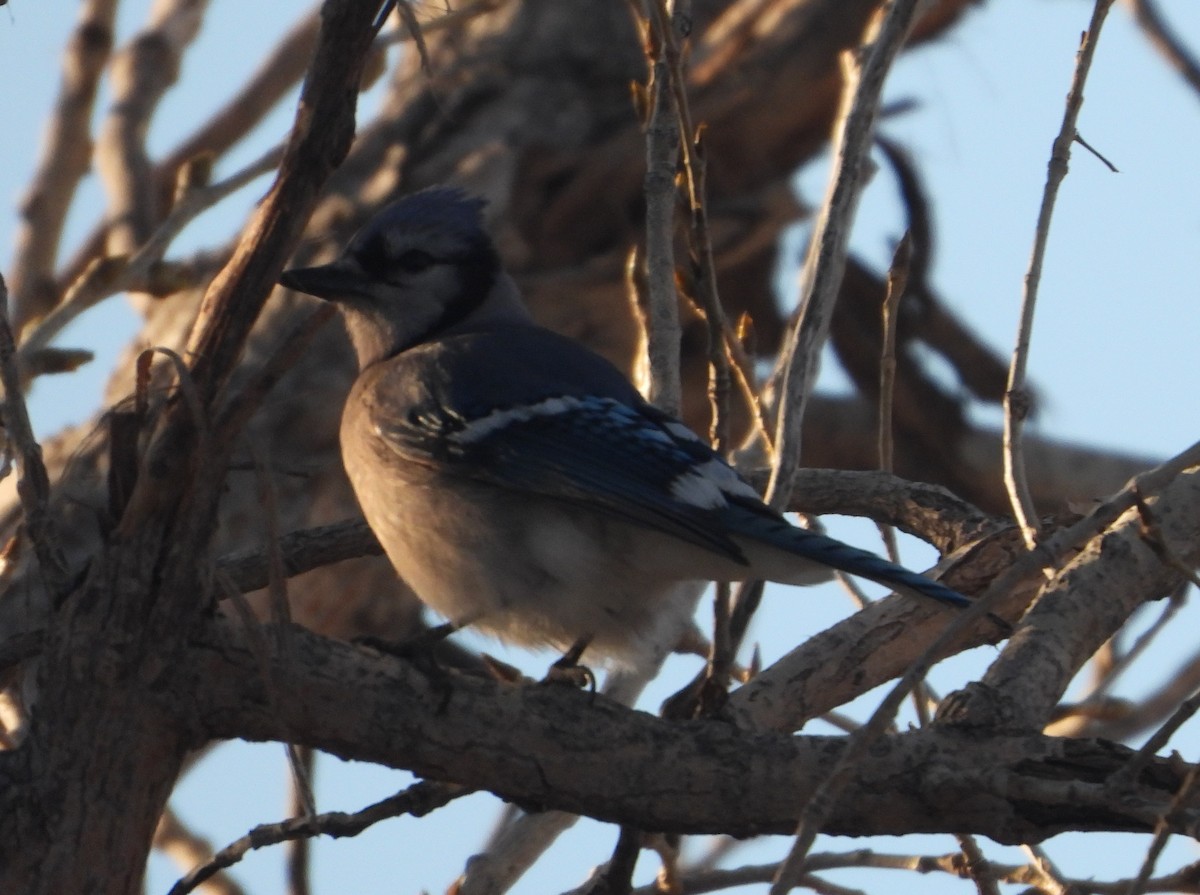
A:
[(331, 281)]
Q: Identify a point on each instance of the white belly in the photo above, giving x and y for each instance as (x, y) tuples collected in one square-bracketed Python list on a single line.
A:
[(533, 571)]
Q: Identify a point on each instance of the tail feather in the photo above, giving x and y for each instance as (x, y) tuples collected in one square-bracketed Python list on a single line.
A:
[(822, 551)]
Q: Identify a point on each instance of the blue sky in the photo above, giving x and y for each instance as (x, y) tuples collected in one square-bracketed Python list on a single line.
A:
[(1114, 347)]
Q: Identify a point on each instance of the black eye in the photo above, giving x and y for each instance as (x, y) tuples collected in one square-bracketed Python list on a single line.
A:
[(372, 257), (414, 261)]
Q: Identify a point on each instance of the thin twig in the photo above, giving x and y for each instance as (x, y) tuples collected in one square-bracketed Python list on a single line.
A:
[(187, 388), (449, 18), (1050, 879), (299, 853), (747, 381), (978, 866), (826, 261), (897, 281), (418, 800), (1016, 398), (696, 880), (672, 28), (1162, 832), (1127, 775), (669, 26), (1097, 153), (187, 849), (281, 614), (119, 273), (897, 284), (412, 28), (1143, 642)]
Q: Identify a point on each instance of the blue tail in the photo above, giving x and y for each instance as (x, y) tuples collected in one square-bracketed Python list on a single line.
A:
[(777, 532)]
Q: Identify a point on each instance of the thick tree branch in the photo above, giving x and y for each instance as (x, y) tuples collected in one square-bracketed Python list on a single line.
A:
[(549, 747), (301, 551), (1089, 599)]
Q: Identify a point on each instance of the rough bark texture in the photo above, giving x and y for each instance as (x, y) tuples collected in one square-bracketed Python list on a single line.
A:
[(551, 747)]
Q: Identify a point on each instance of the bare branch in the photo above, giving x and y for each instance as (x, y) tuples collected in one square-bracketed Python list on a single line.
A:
[(187, 850), (1088, 600), (64, 161), (301, 551), (418, 800), (562, 749), (897, 282), (120, 273), (141, 74), (662, 163), (1016, 399), (826, 261), (1148, 16)]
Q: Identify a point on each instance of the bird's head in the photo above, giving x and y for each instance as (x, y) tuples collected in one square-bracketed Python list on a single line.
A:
[(419, 267)]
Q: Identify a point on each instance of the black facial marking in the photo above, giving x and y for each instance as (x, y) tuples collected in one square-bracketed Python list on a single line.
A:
[(372, 257), (414, 261)]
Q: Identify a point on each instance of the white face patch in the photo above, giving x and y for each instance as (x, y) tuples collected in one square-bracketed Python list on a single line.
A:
[(707, 486), (481, 428)]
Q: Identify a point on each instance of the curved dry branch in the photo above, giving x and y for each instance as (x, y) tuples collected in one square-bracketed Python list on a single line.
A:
[(821, 279), (64, 161), (119, 273), (141, 74)]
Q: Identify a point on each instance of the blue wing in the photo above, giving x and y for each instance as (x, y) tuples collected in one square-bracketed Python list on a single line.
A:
[(601, 446), (545, 416)]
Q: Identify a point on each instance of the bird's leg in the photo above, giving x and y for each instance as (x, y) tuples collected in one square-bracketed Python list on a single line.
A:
[(567, 670)]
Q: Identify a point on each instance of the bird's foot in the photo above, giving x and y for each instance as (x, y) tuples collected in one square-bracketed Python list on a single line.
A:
[(578, 677), (567, 670)]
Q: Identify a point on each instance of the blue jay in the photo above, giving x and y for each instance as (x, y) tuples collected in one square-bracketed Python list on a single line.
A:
[(517, 481)]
